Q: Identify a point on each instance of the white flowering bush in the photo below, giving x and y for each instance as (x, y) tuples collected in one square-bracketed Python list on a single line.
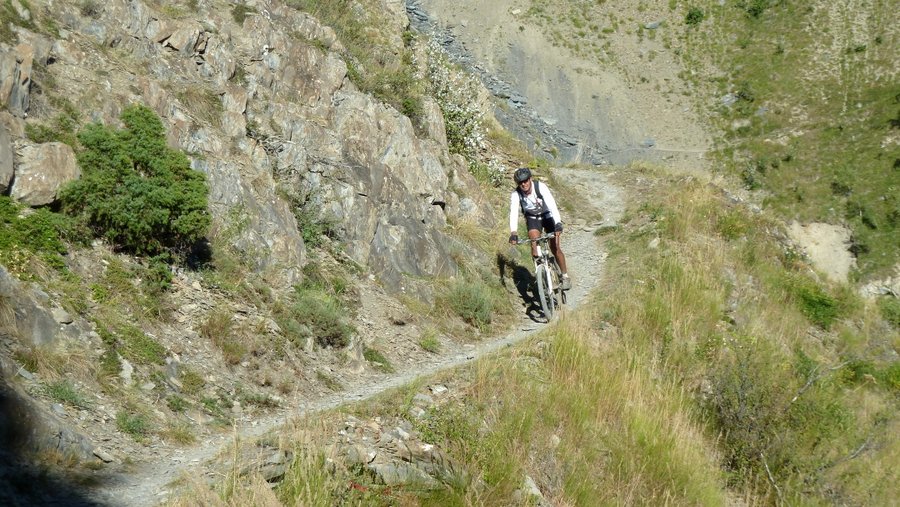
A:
[(456, 92)]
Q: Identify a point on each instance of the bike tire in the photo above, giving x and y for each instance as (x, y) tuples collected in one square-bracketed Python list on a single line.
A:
[(557, 283), (542, 276)]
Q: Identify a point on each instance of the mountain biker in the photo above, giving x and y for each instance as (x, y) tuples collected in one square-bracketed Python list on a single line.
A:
[(536, 202)]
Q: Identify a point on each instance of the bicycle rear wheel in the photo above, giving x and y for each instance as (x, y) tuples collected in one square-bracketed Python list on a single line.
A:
[(545, 294)]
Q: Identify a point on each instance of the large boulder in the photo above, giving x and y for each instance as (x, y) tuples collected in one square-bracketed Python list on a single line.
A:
[(42, 171)]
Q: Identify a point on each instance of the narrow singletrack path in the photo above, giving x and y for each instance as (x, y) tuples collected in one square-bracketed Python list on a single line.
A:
[(149, 483)]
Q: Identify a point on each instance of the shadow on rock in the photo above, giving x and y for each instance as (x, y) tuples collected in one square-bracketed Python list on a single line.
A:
[(24, 481), (524, 283)]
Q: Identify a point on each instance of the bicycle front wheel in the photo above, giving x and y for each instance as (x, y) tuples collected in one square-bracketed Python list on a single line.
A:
[(545, 292)]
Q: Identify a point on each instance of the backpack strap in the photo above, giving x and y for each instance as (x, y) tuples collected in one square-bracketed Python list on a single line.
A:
[(537, 190)]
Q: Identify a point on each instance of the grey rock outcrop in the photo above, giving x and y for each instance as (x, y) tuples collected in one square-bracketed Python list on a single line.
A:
[(41, 172), (270, 116), (6, 159), (15, 78), (31, 321)]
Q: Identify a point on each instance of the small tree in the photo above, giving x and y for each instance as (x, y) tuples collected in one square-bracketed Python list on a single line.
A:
[(135, 191)]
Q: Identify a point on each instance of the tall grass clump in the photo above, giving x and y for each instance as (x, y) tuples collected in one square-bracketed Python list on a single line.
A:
[(474, 296), (317, 310)]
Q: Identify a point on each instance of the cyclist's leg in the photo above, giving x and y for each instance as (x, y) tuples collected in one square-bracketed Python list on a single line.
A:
[(534, 231), (555, 246)]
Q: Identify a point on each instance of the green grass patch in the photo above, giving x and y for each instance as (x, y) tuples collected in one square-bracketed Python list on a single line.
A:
[(133, 424), (429, 341), (64, 392), (375, 357)]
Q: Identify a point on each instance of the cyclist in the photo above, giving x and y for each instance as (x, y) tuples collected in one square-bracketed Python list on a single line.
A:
[(539, 207)]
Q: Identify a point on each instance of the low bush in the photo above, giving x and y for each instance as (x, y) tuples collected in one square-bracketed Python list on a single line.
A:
[(694, 16), (135, 191)]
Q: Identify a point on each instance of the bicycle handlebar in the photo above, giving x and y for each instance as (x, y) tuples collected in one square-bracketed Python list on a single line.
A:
[(543, 237)]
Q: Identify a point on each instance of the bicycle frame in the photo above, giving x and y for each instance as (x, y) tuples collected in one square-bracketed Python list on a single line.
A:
[(547, 275)]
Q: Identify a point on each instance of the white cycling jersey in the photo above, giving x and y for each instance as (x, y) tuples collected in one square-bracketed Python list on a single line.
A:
[(533, 205)]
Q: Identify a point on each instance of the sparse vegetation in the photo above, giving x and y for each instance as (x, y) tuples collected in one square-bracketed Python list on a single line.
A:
[(780, 139), (219, 329), (374, 63)]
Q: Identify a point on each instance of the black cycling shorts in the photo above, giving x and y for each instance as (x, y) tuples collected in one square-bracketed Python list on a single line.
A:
[(545, 220)]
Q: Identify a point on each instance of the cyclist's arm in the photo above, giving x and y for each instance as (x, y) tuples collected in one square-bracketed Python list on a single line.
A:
[(514, 212), (551, 204)]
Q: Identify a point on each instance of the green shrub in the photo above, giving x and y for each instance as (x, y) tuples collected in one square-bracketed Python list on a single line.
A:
[(40, 232), (135, 191), (324, 315), (694, 16), (821, 308)]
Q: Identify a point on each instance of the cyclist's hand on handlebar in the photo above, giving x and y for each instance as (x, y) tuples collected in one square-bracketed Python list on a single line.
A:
[(513, 239)]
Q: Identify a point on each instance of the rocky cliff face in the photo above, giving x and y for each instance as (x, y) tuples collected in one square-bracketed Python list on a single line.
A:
[(266, 110), (258, 94)]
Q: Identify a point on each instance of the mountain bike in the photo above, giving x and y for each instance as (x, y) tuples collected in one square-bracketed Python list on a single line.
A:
[(548, 276)]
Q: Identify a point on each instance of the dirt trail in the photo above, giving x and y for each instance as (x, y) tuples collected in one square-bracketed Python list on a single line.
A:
[(149, 483)]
